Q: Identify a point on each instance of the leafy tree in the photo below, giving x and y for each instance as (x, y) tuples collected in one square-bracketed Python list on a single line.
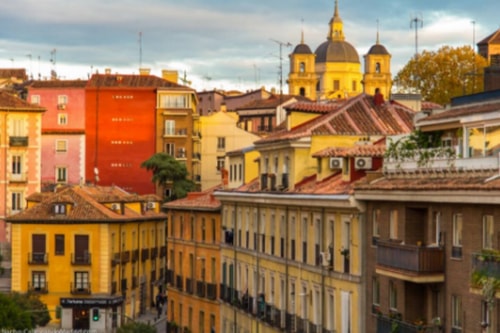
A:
[(136, 328), (12, 315), (31, 304), (441, 75), (167, 169)]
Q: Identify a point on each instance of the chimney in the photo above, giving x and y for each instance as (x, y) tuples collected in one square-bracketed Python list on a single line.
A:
[(144, 71), (492, 74), (107, 71), (169, 75)]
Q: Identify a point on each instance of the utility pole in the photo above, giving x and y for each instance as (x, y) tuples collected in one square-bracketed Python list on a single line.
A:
[(278, 111), (416, 22)]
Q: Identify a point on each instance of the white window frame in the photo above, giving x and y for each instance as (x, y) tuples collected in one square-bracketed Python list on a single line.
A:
[(221, 143), (61, 174), (62, 119), (61, 146), (393, 296), (169, 127), (35, 99), (62, 99), (457, 229), (170, 148), (16, 201), (17, 165), (456, 311), (393, 224)]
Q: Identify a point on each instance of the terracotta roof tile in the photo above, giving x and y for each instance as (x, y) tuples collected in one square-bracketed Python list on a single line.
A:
[(361, 150), (357, 116), (331, 185), (13, 72), (464, 110), (494, 38), (9, 101), (87, 206), (127, 80), (431, 106), (321, 107), (272, 102), (197, 200), (59, 84)]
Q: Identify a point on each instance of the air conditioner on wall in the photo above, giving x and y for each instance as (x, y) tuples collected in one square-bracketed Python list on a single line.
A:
[(361, 163), (336, 162)]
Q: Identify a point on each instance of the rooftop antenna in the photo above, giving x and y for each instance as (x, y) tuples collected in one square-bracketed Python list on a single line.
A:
[(140, 49), (53, 73), (417, 22), (31, 70), (185, 80), (280, 73), (474, 55)]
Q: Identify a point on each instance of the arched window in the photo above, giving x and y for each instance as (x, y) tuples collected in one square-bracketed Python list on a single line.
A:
[(377, 67), (302, 91), (302, 67)]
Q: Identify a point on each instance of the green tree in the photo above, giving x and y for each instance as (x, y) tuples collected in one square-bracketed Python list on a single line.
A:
[(12, 315), (31, 304), (166, 169), (136, 328), (443, 74)]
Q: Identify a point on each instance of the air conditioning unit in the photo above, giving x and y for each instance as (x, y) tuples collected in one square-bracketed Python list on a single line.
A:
[(362, 163), (325, 258), (336, 162)]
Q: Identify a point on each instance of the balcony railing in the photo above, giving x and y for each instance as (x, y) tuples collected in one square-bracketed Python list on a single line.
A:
[(124, 285), (387, 324), (18, 141), (144, 254), (211, 291), (82, 288), (170, 276), (189, 285), (163, 251), (81, 259), (410, 259), (38, 258), (41, 288), (485, 265), (135, 255), (201, 287), (125, 256), (134, 282), (154, 252), (440, 163), (114, 287)]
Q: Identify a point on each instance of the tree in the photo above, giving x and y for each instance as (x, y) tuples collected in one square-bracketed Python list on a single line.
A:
[(441, 75), (167, 169), (136, 328), (12, 315), (31, 304)]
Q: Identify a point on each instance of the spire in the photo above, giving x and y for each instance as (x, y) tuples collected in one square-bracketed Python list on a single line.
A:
[(378, 40), (302, 37), (336, 12), (336, 25)]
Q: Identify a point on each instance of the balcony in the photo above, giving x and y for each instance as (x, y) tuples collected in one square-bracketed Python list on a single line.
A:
[(153, 275), (134, 282), (82, 288), (189, 285), (201, 288), (18, 141), (170, 276), (125, 257), (163, 251), (412, 263), (135, 255), (387, 324), (18, 177), (144, 254), (176, 132), (81, 258), (154, 253), (38, 258), (485, 265), (41, 288), (115, 259), (113, 287)]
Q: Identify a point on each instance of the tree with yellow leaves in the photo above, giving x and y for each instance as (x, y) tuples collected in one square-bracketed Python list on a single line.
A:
[(443, 74)]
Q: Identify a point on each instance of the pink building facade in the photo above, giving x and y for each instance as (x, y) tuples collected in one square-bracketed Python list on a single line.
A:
[(63, 130)]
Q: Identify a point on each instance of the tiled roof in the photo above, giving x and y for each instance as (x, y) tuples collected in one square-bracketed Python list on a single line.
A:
[(87, 206), (424, 181), (13, 72), (331, 185), (494, 38), (357, 116), (431, 106), (321, 107), (272, 102), (464, 110), (59, 84), (361, 150), (197, 200), (135, 81), (9, 101)]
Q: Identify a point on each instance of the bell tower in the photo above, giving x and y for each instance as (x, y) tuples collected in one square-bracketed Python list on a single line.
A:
[(302, 79), (377, 70)]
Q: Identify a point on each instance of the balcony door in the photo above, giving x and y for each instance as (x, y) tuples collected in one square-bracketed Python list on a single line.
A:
[(81, 248)]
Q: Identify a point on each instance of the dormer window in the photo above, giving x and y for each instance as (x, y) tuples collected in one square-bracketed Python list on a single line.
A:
[(60, 209)]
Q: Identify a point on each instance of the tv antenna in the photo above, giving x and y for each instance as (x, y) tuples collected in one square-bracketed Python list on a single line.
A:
[(417, 22), (280, 73), (185, 80), (53, 55)]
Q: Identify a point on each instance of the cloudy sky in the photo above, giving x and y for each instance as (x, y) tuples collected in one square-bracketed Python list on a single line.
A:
[(223, 44)]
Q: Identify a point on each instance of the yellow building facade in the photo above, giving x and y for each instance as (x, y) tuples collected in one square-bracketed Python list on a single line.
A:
[(193, 269), (94, 254)]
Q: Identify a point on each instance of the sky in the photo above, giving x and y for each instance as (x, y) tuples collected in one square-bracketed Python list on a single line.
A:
[(222, 44)]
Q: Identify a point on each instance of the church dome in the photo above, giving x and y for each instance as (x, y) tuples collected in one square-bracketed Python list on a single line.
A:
[(336, 51), (378, 49), (302, 49)]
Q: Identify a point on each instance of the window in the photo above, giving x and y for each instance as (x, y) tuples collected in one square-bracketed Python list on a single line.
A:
[(169, 127), (61, 146), (302, 67), (377, 67), (220, 163), (62, 119), (174, 101), (456, 250), (375, 222), (38, 281), (62, 100), (59, 208), (375, 291), (35, 99), (82, 249), (393, 224), (16, 201), (170, 149), (203, 231), (59, 246), (38, 248), (336, 85), (488, 232), (81, 280), (221, 143), (16, 165), (213, 231), (485, 314), (61, 174), (456, 311), (354, 85), (393, 296)]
